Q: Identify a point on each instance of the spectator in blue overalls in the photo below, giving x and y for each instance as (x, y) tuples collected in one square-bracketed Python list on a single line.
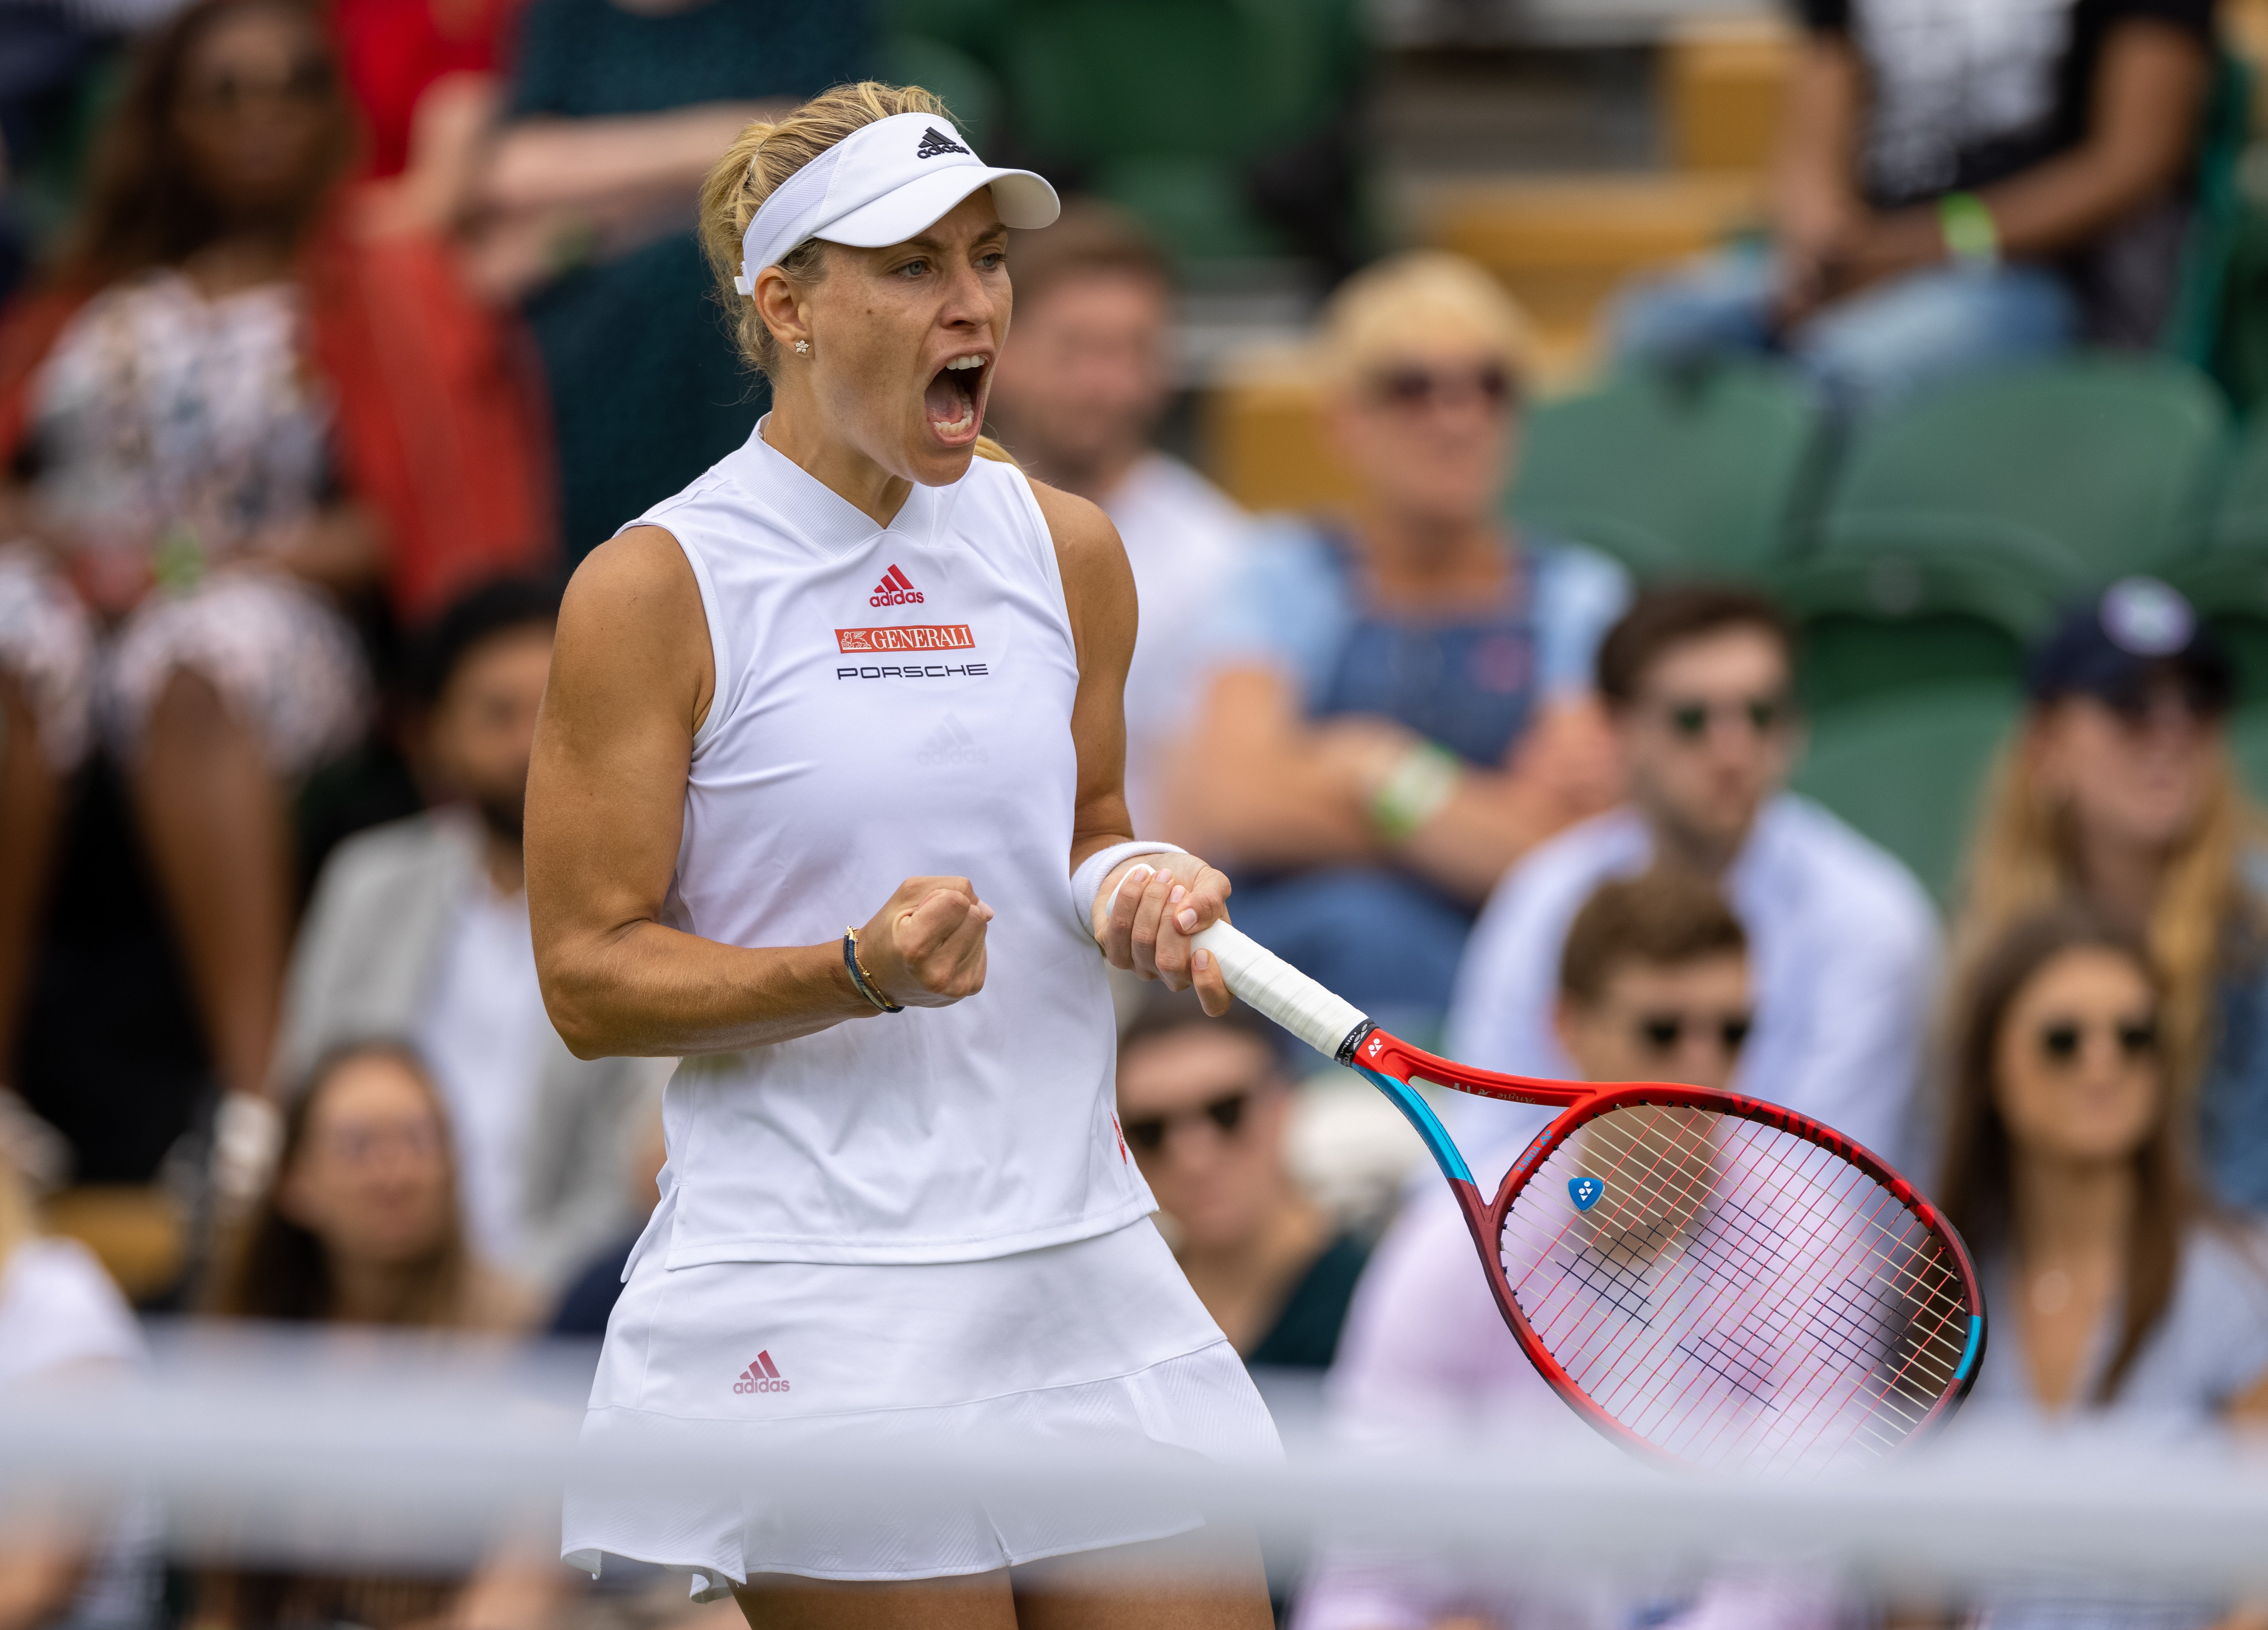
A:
[(1399, 704)]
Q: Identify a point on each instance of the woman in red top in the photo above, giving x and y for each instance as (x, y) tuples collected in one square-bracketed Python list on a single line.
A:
[(224, 417)]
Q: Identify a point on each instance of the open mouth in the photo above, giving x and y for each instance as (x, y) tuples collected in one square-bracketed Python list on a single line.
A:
[(953, 397)]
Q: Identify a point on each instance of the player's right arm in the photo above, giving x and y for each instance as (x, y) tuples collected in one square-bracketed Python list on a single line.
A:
[(632, 677)]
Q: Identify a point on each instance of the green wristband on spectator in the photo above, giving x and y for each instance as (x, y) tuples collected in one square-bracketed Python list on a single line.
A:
[(1972, 237), (1413, 794)]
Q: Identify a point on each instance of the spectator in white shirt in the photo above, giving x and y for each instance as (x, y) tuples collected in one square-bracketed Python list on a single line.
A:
[(60, 1314), (1078, 395), (1842, 941), (1653, 985), (419, 929)]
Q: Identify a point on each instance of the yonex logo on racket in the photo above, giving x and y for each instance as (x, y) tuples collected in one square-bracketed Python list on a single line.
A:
[(761, 1376), (895, 589), (1585, 1191)]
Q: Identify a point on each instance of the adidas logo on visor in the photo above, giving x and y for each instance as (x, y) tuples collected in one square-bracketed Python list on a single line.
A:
[(935, 142), (895, 589)]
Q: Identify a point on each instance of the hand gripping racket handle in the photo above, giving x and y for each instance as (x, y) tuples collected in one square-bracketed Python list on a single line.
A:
[(1262, 980)]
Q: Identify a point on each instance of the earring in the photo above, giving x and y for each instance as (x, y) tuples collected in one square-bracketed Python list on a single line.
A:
[(803, 348)]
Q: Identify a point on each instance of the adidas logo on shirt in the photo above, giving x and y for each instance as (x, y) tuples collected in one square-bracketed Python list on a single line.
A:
[(895, 589), (935, 142), (950, 744), (761, 1376)]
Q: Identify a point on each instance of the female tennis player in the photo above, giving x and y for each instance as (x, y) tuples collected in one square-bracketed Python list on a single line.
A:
[(827, 799)]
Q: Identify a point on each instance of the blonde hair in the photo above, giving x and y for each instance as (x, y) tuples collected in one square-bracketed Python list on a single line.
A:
[(757, 164), (2026, 860), (1384, 309)]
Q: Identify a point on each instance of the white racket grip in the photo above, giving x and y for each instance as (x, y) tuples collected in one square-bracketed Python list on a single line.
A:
[(1264, 980)]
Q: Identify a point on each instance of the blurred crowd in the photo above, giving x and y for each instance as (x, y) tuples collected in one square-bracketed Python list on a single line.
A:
[(360, 324)]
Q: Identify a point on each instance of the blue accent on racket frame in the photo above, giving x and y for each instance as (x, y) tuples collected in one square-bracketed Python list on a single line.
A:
[(1585, 1191), (1420, 1114), (1968, 1353)]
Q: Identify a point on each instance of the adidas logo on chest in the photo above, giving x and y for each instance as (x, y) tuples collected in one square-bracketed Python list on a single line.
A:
[(950, 744), (895, 589)]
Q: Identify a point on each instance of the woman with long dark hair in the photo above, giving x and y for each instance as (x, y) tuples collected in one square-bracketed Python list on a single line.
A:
[(360, 1227), (2069, 1175), (2121, 1295), (224, 419), (360, 1223)]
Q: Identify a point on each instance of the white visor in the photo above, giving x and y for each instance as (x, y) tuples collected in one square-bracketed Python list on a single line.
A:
[(881, 185)]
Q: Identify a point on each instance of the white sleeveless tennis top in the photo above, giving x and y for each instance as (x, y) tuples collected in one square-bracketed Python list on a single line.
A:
[(890, 702)]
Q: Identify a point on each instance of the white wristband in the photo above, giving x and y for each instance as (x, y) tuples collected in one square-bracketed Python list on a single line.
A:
[(1086, 882)]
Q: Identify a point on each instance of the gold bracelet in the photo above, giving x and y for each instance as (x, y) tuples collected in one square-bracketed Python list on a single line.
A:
[(866, 982)]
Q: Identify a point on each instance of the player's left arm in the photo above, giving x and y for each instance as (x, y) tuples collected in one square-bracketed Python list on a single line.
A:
[(1160, 899)]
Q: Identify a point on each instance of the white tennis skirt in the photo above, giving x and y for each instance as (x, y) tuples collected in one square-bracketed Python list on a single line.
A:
[(1098, 1347)]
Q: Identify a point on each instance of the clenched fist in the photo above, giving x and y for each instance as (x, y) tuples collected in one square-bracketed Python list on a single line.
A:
[(925, 949)]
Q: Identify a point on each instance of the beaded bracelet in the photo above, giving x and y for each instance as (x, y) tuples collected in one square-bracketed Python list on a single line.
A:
[(1970, 230), (860, 977), (1424, 779)]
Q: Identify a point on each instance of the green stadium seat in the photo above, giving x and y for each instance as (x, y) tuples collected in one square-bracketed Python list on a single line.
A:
[(2228, 581), (1888, 622), (2240, 514), (970, 89), (1700, 474), (1910, 769), (2248, 746), (1159, 104), (2230, 588), (2195, 326), (1855, 657), (2064, 476), (976, 27)]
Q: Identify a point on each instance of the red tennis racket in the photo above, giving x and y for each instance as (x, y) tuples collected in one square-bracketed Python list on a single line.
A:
[(1706, 1278)]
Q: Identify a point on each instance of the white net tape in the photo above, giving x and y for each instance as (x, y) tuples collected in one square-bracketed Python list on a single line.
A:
[(408, 1452)]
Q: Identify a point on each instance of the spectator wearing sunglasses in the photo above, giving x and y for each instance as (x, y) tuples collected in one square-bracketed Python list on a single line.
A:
[(1842, 941), (1399, 705), (2117, 791), (1205, 1104), (2119, 1294), (1652, 983)]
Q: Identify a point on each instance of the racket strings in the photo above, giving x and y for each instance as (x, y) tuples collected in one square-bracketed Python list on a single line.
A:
[(1735, 1351), (1808, 1375), (1735, 1294)]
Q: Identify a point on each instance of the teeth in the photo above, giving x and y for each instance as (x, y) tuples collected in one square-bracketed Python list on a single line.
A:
[(966, 362)]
